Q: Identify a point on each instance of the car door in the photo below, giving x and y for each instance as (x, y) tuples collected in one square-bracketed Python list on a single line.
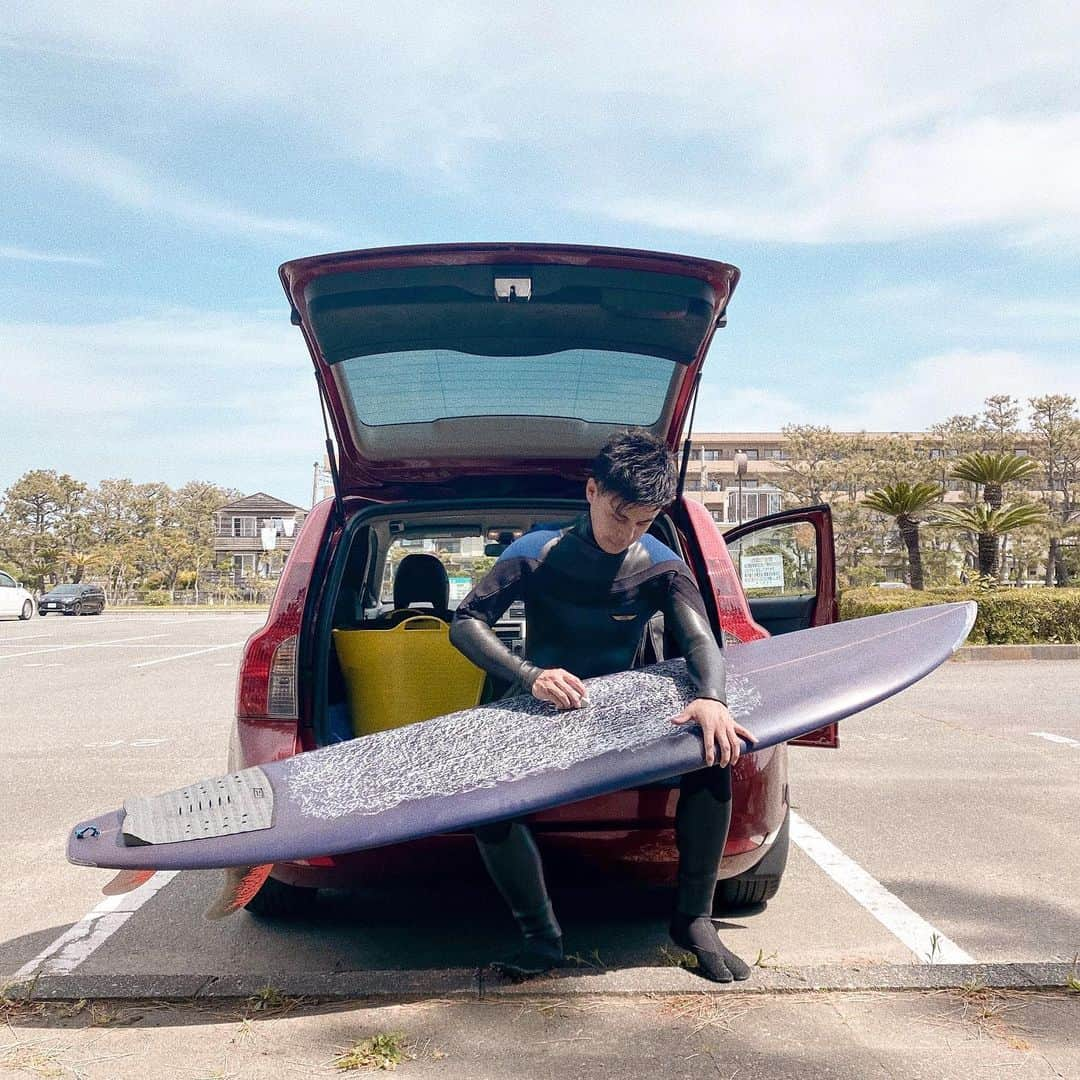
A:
[(9, 596), (786, 563)]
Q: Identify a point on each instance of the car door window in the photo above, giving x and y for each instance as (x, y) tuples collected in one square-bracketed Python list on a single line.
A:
[(777, 561), (6, 582)]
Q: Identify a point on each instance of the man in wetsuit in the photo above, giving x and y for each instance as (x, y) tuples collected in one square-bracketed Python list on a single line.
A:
[(589, 590)]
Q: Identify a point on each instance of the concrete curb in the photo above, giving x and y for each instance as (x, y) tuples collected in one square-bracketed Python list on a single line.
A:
[(1018, 652), (468, 984)]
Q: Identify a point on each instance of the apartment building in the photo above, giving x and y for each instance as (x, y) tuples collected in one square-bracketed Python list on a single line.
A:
[(711, 473)]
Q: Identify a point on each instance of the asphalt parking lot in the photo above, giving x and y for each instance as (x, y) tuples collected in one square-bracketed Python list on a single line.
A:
[(937, 847)]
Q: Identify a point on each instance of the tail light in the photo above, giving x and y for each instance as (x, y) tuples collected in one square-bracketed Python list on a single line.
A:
[(268, 686)]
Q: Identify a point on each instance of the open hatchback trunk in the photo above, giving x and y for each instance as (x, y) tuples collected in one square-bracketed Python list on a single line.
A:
[(449, 368)]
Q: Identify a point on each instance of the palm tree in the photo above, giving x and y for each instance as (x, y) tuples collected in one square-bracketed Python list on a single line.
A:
[(993, 472), (988, 523), (905, 502)]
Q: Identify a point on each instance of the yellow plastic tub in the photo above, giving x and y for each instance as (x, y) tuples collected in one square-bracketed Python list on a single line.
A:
[(408, 673)]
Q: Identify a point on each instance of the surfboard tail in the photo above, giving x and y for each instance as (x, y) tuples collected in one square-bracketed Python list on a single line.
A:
[(239, 887)]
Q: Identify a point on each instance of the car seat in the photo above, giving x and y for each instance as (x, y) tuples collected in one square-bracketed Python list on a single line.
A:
[(420, 579)]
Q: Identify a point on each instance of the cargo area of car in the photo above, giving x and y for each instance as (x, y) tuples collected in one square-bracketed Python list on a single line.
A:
[(365, 626)]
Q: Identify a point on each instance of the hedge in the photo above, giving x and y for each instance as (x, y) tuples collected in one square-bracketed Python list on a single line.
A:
[(1006, 616)]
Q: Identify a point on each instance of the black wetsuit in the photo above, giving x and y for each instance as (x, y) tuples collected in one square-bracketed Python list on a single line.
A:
[(586, 612)]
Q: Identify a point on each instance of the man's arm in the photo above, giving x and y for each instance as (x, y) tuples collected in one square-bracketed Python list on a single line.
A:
[(684, 612), (684, 615), (471, 631)]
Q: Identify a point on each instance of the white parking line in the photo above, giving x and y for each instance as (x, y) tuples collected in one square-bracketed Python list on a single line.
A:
[(915, 932), (184, 656), (81, 645), (1064, 740), (72, 947)]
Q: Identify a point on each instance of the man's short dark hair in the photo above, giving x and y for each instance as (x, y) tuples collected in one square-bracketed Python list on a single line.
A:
[(637, 468)]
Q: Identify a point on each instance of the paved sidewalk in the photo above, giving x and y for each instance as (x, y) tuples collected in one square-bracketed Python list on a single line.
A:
[(736, 1035)]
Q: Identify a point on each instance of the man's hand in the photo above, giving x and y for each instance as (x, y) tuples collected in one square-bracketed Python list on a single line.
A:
[(718, 729), (563, 689)]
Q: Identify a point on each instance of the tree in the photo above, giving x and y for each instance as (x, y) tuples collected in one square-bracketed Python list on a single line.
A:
[(906, 503), (41, 523), (958, 434), (1001, 418), (816, 464), (992, 472), (988, 523), (1056, 444)]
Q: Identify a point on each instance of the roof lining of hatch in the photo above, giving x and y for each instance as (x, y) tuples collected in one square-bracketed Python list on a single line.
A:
[(652, 302)]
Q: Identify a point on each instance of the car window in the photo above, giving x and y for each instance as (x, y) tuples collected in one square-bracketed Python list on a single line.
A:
[(6, 582), (780, 560), (463, 557), (436, 384)]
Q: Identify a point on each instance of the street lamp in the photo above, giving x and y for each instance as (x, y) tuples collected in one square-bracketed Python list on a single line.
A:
[(740, 471)]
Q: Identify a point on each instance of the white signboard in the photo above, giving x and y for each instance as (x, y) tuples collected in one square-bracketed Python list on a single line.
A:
[(459, 588), (762, 571)]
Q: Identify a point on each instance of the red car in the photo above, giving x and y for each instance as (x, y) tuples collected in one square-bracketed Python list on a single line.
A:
[(468, 387)]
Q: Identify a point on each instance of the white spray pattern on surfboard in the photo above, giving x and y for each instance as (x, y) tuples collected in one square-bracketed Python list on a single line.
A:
[(374, 773)]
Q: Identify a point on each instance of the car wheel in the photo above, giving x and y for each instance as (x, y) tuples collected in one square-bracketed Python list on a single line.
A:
[(27, 610), (759, 883), (278, 900), (77, 610), (42, 614)]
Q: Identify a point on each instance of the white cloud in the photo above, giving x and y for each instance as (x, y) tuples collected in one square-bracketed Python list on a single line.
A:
[(843, 121), (991, 172), (176, 396), (21, 254), (910, 398), (129, 185)]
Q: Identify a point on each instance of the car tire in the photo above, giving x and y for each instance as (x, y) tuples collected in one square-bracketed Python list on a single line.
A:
[(761, 882), (42, 614), (77, 609), (278, 900), (27, 610)]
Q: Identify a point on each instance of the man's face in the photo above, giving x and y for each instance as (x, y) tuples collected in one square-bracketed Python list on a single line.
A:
[(615, 524)]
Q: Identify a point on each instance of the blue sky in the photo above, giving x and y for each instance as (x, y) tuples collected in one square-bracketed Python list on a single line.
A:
[(900, 187)]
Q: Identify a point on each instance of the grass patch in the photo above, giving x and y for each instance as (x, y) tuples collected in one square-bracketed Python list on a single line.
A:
[(271, 1000), (385, 1050), (591, 961), (686, 961)]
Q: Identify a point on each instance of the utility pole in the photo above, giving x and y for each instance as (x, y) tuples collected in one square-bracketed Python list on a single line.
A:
[(740, 471)]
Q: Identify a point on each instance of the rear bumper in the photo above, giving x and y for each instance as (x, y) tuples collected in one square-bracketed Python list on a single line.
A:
[(643, 858)]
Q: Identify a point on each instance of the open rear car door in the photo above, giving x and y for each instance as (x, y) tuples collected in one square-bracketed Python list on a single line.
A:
[(787, 565)]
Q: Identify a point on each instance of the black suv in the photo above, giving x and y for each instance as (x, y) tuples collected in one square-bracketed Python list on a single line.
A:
[(73, 600)]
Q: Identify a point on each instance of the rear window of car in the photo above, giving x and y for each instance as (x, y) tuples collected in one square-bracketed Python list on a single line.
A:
[(420, 386)]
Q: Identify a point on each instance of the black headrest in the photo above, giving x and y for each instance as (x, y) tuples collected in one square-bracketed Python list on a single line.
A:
[(421, 578)]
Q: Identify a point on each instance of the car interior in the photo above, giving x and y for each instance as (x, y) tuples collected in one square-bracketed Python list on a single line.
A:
[(388, 582)]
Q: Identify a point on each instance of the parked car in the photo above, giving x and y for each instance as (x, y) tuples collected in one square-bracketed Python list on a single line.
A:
[(73, 600), (15, 601), (469, 387)]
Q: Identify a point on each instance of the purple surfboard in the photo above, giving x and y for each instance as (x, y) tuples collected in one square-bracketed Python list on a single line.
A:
[(517, 756)]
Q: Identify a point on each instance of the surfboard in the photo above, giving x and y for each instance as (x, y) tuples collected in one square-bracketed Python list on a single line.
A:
[(516, 756)]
